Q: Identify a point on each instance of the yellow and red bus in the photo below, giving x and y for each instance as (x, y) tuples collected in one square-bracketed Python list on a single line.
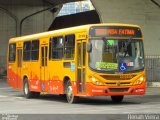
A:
[(79, 61)]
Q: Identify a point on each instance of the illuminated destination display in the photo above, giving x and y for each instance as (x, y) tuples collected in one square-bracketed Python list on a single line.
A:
[(115, 31)]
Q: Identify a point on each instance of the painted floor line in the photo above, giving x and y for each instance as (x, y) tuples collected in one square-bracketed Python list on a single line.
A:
[(3, 96), (5, 88)]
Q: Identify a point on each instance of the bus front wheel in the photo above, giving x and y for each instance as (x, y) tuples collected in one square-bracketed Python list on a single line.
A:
[(117, 99), (69, 94)]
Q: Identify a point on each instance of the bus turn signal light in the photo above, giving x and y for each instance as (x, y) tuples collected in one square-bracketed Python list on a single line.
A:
[(96, 81)]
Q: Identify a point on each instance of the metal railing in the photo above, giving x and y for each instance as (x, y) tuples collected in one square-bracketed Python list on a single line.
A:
[(153, 68)]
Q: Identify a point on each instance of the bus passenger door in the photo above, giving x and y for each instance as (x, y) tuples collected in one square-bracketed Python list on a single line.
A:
[(43, 68), (81, 67), (19, 67)]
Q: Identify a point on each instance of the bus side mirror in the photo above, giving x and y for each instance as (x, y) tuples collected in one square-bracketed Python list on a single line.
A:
[(89, 47)]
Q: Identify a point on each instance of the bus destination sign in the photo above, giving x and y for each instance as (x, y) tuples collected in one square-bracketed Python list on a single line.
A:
[(115, 31)]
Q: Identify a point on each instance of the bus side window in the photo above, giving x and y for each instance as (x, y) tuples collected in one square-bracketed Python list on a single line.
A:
[(26, 51), (69, 47), (35, 50), (12, 52), (56, 48)]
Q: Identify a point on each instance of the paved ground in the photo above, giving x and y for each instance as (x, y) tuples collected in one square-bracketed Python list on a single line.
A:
[(13, 102)]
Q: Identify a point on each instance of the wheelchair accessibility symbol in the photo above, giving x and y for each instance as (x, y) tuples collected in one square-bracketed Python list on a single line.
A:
[(123, 66)]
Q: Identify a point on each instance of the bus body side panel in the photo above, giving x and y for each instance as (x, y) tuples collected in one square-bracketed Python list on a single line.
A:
[(75, 88), (54, 84), (34, 76), (35, 83), (70, 72), (11, 75)]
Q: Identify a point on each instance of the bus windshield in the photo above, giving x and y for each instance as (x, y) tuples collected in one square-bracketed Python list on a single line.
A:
[(116, 55)]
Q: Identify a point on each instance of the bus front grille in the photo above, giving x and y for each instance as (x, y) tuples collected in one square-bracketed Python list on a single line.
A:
[(120, 83), (118, 77)]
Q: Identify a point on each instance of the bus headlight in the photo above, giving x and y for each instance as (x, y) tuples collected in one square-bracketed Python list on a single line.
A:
[(139, 81), (96, 81)]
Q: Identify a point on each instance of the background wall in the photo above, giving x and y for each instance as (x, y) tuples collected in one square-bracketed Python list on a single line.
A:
[(10, 15)]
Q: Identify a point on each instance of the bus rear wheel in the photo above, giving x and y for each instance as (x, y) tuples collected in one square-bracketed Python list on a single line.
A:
[(27, 93), (117, 99), (69, 94)]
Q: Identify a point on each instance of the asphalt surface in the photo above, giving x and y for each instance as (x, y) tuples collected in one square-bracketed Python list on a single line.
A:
[(13, 102)]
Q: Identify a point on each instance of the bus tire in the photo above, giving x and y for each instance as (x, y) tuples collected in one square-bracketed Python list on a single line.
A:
[(27, 93), (69, 94), (117, 99)]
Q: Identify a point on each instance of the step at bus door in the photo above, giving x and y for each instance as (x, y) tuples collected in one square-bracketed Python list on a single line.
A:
[(81, 67), (43, 73)]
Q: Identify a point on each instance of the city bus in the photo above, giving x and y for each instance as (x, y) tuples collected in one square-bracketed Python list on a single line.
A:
[(79, 61)]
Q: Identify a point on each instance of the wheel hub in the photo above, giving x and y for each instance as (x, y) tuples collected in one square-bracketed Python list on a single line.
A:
[(26, 89), (69, 92)]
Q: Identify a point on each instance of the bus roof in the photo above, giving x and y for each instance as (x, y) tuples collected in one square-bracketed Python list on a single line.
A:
[(66, 31)]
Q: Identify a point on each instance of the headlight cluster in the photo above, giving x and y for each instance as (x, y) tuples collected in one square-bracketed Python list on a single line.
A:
[(139, 81), (96, 81)]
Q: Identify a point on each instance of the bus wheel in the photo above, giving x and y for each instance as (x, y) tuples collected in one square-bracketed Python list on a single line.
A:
[(69, 94), (117, 99), (26, 91)]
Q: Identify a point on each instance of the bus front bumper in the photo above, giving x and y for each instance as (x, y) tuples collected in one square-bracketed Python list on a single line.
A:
[(94, 90)]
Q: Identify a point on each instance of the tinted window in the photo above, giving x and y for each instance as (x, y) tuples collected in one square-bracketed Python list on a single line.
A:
[(69, 46), (35, 50), (12, 52), (31, 50), (26, 51), (56, 48)]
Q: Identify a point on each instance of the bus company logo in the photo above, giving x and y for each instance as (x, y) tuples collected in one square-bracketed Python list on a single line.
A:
[(118, 83)]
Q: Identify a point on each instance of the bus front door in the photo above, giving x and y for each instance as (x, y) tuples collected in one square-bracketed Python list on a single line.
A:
[(43, 68), (81, 69)]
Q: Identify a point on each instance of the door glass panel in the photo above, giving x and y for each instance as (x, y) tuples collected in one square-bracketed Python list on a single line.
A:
[(46, 51), (19, 57), (79, 80), (84, 80), (84, 54), (79, 54), (42, 53), (81, 76)]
